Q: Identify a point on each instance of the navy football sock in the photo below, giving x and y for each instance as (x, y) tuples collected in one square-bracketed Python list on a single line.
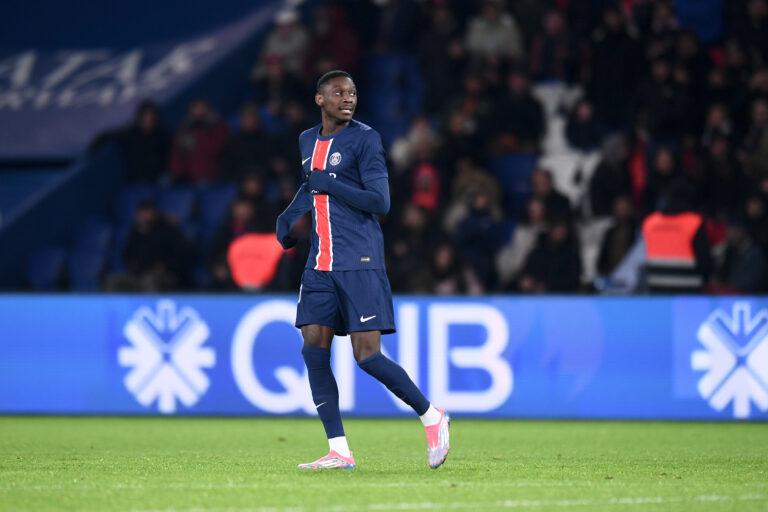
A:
[(325, 393), (397, 381)]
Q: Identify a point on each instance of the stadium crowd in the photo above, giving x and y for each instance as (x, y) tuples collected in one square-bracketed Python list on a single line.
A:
[(538, 136)]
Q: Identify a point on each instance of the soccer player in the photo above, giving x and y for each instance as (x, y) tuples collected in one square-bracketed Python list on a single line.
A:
[(344, 287)]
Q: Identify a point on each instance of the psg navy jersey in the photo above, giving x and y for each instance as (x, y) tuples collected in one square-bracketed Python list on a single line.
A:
[(343, 237)]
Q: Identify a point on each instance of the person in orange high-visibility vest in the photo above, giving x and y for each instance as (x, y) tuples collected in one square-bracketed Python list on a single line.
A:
[(677, 252)]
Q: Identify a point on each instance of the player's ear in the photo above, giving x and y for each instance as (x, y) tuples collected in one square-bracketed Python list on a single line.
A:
[(318, 99)]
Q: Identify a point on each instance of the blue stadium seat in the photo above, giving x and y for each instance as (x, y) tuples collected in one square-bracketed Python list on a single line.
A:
[(514, 174), (129, 198), (177, 202), (382, 69), (214, 203), (44, 268), (84, 270), (93, 234)]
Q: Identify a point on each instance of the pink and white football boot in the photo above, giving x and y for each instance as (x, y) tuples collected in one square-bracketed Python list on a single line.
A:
[(438, 440), (331, 461)]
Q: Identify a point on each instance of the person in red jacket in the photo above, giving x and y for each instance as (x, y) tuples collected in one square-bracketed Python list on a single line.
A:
[(198, 145)]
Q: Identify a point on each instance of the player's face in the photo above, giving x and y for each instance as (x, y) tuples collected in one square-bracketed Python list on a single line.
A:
[(338, 99)]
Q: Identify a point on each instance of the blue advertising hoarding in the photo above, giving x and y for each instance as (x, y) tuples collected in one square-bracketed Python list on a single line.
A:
[(520, 357)]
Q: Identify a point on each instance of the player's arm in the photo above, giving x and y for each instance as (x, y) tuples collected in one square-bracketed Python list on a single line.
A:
[(374, 198), (301, 204)]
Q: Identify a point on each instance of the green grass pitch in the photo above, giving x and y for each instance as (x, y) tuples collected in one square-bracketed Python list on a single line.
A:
[(240, 465)]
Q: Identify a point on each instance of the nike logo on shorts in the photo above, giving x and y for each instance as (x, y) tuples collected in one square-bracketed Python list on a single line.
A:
[(364, 319), (305, 160)]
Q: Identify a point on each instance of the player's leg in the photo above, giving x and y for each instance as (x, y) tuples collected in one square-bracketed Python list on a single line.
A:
[(367, 349), (317, 316), (367, 312), (366, 346)]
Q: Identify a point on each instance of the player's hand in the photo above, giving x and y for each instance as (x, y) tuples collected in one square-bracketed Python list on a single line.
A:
[(283, 233), (288, 241), (318, 180)]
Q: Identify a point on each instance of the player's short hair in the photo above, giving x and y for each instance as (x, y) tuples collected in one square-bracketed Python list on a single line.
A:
[(327, 77)]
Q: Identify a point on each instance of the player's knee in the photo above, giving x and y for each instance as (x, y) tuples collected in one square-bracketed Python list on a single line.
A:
[(363, 351), (317, 336)]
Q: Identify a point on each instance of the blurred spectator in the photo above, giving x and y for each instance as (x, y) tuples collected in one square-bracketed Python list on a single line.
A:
[(717, 124), (474, 105), (287, 43), (274, 86), (664, 172), (441, 57), (554, 264), (477, 237), (240, 220), (286, 156), (425, 186), (619, 238), (397, 26), (677, 249), (447, 274), (583, 130), (611, 178), (494, 33), (198, 145), (752, 31), (663, 102), (469, 181), (459, 139), (511, 258), (722, 190), (144, 143), (253, 188), (410, 240), (529, 15), (249, 150), (756, 218), (745, 264), (156, 255), (555, 53), (755, 151), (332, 40), (519, 117), (557, 205), (417, 145), (688, 55), (614, 68)]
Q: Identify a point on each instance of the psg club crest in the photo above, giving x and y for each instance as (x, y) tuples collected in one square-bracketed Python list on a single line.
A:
[(335, 158)]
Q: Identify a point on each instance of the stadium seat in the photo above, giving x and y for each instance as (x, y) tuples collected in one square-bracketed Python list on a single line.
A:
[(84, 270), (129, 198), (382, 69), (514, 174), (214, 203), (44, 268), (93, 234), (177, 202)]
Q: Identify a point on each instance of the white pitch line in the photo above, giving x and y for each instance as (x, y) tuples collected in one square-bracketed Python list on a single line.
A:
[(505, 504), (231, 485)]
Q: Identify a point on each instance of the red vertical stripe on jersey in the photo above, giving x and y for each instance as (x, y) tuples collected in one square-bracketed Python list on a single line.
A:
[(324, 259)]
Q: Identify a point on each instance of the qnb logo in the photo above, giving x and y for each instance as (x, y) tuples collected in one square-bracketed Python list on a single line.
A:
[(166, 356), (735, 359)]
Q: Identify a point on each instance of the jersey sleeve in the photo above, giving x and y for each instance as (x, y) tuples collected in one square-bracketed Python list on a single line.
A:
[(371, 158)]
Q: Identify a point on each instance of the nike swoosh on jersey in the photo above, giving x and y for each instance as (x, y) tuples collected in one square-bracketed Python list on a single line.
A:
[(305, 160), (365, 319)]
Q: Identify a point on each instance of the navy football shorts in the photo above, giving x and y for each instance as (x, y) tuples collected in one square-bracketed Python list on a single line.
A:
[(347, 300)]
